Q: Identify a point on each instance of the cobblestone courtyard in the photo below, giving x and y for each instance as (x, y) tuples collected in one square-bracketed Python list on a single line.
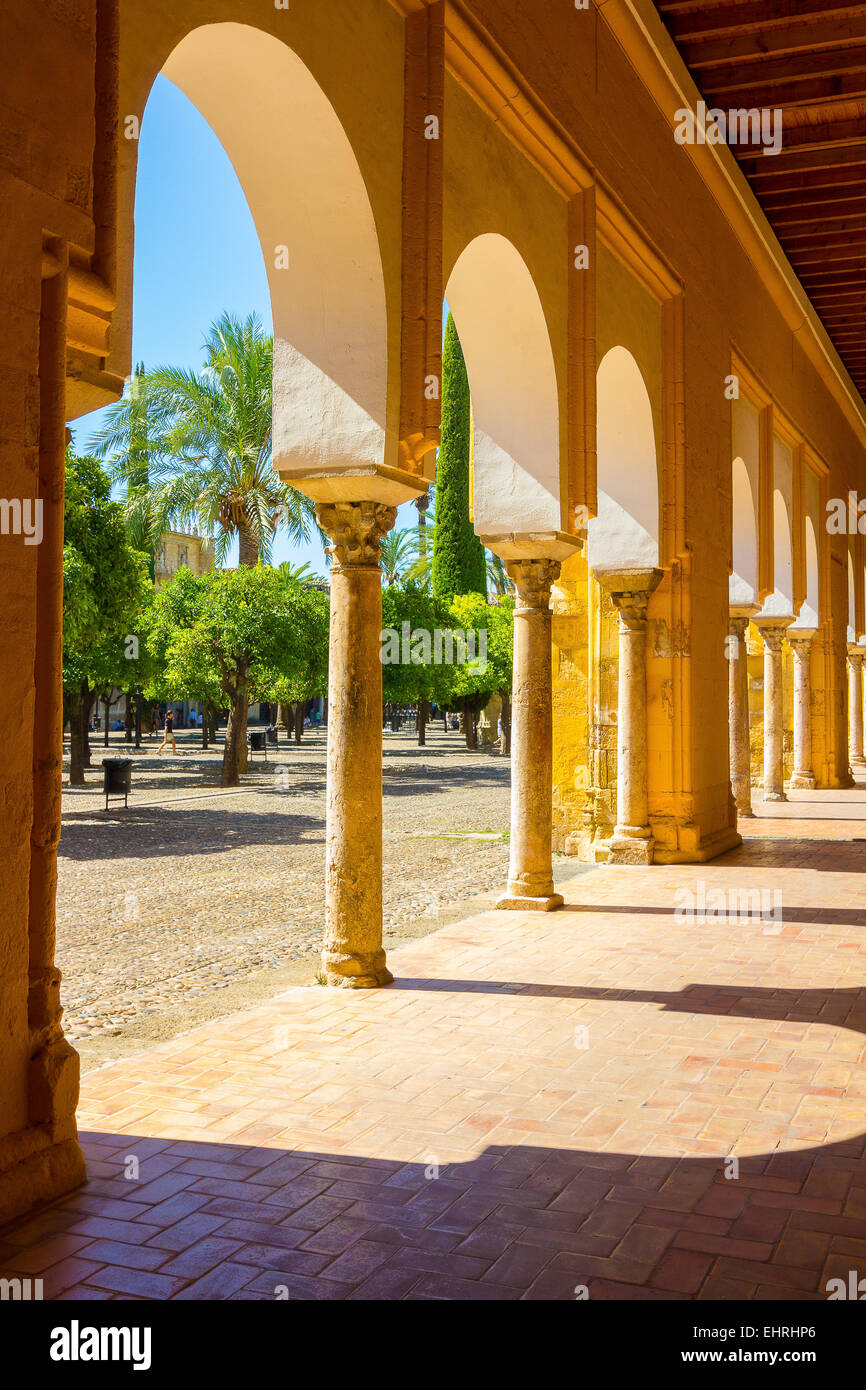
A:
[(196, 901)]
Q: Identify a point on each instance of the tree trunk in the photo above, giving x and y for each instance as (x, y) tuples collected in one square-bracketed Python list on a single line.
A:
[(470, 727), (299, 720), (107, 703), (127, 718), (243, 709), (445, 720), (231, 769), (505, 745), (204, 727), (88, 701), (77, 718), (235, 749), (248, 550), (209, 718), (423, 712)]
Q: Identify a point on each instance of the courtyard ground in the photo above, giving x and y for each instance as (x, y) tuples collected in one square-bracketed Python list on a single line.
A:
[(542, 1106), (194, 902)]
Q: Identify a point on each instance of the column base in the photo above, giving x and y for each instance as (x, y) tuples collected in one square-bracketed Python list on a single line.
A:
[(42, 1176), (513, 902), (745, 815), (630, 847), (801, 781), (355, 972), (774, 796)]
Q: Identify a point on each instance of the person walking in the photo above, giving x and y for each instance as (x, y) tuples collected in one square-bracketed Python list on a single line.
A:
[(168, 736)]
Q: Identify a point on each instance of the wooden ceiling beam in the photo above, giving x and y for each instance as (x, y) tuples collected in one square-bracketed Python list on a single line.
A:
[(792, 96), (829, 156), (757, 18), (808, 181), (796, 39), (791, 212), (746, 76)]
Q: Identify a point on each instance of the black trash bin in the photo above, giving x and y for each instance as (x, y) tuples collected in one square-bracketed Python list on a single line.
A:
[(257, 742), (117, 778)]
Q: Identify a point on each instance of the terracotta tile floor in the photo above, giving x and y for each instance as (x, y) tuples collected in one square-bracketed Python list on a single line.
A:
[(540, 1104)]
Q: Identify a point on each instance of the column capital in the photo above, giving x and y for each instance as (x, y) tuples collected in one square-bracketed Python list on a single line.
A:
[(533, 580), (856, 654), (800, 639), (355, 530), (773, 632), (629, 591)]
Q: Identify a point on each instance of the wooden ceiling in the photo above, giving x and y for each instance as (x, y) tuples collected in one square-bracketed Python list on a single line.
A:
[(807, 57)]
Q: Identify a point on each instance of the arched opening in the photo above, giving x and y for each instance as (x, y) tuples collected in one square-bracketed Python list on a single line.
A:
[(780, 603), (315, 223), (809, 615), (512, 380), (743, 585), (625, 533)]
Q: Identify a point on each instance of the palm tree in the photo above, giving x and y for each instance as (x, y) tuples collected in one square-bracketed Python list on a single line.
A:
[(424, 503), (398, 551), (205, 453), (297, 574), (496, 575)]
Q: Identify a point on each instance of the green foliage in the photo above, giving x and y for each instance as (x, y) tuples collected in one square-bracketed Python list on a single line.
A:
[(196, 447), (458, 556), (307, 676), (496, 620), (398, 554), (105, 583), (405, 682), (234, 633)]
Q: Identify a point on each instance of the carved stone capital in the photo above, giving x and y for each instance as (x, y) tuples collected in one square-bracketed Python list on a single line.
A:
[(773, 632), (856, 654), (533, 579), (630, 592), (355, 530), (801, 643)]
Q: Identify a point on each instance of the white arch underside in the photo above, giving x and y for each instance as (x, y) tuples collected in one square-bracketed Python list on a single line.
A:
[(512, 380), (306, 194)]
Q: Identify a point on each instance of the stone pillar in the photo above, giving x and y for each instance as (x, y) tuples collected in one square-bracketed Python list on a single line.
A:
[(530, 870), (352, 954), (631, 842), (772, 631), (738, 710), (802, 778), (855, 705)]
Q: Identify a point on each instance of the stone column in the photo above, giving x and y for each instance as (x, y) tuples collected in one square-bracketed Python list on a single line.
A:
[(352, 955), (530, 869), (855, 704), (772, 631), (802, 778), (49, 1160), (738, 710), (631, 842)]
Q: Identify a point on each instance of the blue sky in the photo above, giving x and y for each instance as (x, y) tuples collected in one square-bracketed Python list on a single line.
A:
[(196, 254)]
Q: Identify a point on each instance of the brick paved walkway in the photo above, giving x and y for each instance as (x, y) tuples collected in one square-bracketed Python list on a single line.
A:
[(539, 1104)]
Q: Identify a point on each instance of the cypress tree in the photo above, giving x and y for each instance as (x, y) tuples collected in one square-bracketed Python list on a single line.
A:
[(459, 564)]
